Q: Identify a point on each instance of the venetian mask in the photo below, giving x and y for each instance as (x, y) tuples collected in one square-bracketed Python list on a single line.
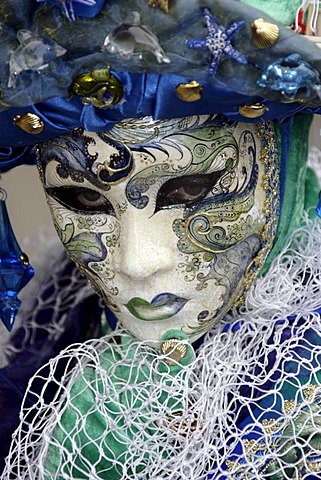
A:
[(170, 220)]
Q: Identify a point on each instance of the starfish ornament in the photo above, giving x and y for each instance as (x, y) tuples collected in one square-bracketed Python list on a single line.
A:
[(163, 4), (218, 43)]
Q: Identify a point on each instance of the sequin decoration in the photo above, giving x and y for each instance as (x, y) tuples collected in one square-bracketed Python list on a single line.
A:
[(34, 53), (295, 79), (15, 271), (67, 6), (218, 43), (134, 38)]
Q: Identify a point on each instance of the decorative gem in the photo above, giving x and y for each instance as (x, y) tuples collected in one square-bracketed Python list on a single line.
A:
[(163, 4), (118, 165), (295, 79), (318, 208), (252, 111), (218, 43), (34, 53), (264, 34), (29, 122), (174, 350), (67, 6), (189, 92), (132, 37), (98, 87), (15, 271)]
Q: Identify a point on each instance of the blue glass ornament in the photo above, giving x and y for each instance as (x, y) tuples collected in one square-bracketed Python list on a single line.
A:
[(15, 271), (218, 42), (318, 207)]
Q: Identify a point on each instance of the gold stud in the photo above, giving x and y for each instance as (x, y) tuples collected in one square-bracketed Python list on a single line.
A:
[(163, 4), (264, 34), (189, 92), (252, 111), (24, 258), (174, 350), (29, 122)]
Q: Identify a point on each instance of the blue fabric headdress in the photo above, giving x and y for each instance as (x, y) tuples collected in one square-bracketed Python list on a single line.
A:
[(91, 63), (202, 57)]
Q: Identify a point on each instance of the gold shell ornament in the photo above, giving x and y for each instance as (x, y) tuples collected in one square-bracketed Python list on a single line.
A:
[(264, 34), (252, 111), (174, 350), (29, 122), (162, 4), (98, 87), (189, 92)]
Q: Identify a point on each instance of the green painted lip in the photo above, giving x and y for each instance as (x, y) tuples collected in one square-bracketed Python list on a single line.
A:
[(163, 306)]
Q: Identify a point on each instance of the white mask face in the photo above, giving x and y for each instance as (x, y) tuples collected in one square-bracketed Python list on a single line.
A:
[(170, 220)]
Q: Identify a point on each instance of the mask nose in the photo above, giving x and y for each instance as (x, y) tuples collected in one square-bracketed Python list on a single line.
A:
[(146, 246)]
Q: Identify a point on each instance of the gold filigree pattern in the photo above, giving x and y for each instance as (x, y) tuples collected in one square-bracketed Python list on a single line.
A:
[(271, 206)]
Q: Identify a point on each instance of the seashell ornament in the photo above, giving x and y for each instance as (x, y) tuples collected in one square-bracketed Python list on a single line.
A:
[(174, 350), (29, 122), (255, 110), (264, 34)]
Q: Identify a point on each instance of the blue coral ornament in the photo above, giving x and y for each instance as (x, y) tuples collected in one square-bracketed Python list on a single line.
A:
[(218, 43), (15, 270), (295, 79)]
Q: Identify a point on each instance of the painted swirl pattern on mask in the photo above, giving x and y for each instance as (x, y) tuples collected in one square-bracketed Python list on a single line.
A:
[(202, 150)]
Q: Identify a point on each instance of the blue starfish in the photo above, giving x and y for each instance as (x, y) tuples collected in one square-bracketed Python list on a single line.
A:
[(218, 42)]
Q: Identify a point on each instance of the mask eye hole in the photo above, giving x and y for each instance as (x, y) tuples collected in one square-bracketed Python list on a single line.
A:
[(186, 191), (82, 200)]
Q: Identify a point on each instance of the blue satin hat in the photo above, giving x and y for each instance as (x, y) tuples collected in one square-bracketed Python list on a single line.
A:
[(91, 63)]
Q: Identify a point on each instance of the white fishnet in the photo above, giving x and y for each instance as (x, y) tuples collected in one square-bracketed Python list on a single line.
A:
[(181, 422), (65, 293)]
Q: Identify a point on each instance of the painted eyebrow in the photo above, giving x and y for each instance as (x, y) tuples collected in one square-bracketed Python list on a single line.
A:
[(63, 175)]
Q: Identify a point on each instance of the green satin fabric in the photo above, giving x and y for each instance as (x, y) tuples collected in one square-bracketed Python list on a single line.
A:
[(301, 186), (93, 412), (283, 11)]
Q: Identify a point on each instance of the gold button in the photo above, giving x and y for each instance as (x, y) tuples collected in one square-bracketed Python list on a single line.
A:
[(252, 111), (29, 122), (24, 258), (189, 92)]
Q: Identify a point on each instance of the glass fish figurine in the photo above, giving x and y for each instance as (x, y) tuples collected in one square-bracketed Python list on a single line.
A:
[(33, 53), (134, 38)]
